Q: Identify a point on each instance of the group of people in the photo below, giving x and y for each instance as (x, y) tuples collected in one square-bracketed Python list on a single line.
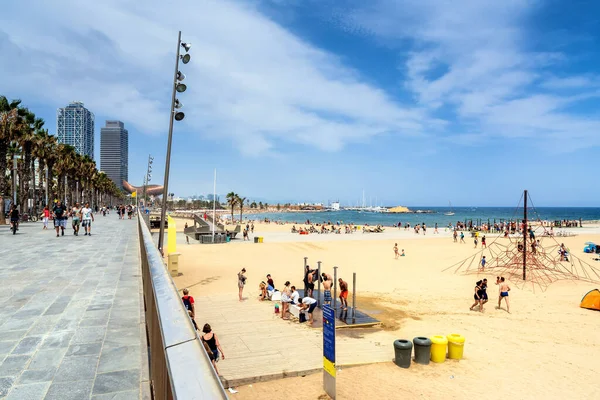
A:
[(209, 338), (481, 296), (80, 216), (291, 296), (396, 253)]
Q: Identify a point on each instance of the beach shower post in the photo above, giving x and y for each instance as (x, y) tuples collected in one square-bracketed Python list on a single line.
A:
[(353, 297), (334, 300), (318, 283)]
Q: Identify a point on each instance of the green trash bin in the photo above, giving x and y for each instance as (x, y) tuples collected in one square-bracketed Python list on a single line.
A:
[(422, 350), (403, 352), (256, 239)]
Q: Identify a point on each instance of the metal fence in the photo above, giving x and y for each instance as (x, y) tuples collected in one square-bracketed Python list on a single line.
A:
[(179, 365)]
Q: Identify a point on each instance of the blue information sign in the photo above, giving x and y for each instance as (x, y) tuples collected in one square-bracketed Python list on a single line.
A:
[(329, 340)]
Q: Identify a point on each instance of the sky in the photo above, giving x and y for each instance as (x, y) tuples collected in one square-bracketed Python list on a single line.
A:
[(416, 102)]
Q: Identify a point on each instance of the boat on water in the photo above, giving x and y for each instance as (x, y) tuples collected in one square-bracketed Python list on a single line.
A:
[(451, 212)]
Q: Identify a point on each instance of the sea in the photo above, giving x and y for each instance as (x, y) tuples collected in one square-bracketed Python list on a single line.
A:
[(436, 215)]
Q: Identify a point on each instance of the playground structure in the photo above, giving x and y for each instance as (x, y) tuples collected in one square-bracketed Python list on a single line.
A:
[(532, 255), (203, 230), (352, 317)]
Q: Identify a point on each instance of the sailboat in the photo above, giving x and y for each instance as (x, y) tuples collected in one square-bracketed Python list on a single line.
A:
[(451, 212)]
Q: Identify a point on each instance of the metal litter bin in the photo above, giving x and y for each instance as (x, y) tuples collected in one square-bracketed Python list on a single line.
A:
[(422, 350), (255, 239), (403, 352)]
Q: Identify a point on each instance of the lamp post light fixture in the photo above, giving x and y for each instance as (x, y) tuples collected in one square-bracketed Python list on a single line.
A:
[(178, 87)]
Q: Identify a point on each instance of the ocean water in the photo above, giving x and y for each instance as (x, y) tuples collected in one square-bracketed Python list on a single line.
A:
[(461, 214)]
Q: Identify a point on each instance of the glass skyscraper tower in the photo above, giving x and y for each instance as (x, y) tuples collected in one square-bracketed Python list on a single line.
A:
[(75, 127), (114, 152)]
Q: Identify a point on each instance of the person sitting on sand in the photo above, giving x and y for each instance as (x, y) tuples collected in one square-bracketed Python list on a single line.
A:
[(477, 296), (262, 287), (343, 294), (270, 282), (403, 254), (503, 290), (396, 254)]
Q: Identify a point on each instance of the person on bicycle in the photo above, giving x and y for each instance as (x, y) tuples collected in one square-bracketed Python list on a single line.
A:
[(14, 217)]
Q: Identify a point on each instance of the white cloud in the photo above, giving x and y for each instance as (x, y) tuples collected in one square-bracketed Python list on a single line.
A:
[(250, 81), (472, 56)]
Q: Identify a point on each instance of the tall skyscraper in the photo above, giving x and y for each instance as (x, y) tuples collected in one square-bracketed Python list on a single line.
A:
[(75, 126), (114, 152)]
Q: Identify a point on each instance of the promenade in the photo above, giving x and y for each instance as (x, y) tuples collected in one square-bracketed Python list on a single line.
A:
[(71, 313)]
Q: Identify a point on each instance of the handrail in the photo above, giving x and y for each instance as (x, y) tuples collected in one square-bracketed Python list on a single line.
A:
[(179, 365)]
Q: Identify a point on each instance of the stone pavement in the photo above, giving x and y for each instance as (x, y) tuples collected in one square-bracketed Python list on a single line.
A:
[(71, 313)]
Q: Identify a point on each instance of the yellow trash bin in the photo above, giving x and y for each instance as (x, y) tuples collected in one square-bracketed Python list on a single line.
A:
[(439, 344), (456, 345), (260, 239)]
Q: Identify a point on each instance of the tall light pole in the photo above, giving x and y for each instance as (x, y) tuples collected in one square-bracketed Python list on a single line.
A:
[(174, 115), (147, 178)]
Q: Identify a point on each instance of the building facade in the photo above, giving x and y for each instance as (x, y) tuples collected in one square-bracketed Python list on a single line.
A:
[(75, 127), (114, 152)]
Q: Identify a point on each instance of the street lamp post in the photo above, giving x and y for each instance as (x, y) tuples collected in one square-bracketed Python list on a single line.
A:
[(173, 116), (147, 179)]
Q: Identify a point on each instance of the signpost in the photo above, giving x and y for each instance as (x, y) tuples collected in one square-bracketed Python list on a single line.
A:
[(329, 350)]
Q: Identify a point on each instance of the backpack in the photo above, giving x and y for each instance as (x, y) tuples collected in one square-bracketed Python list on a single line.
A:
[(187, 303)]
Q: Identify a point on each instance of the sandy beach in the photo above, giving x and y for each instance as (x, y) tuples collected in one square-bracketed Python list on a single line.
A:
[(546, 346)]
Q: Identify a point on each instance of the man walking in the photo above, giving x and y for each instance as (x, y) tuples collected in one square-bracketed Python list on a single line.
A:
[(188, 302), (87, 218), (60, 214)]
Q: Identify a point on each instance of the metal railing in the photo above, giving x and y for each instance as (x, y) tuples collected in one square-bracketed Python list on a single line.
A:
[(179, 365)]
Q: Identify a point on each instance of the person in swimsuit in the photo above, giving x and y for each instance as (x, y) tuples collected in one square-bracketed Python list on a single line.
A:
[(483, 242), (396, 254), (484, 295), (212, 342), (286, 299), (241, 282), (455, 235), (343, 294), (504, 289), (308, 285), (483, 261), (462, 237), (327, 282), (477, 296)]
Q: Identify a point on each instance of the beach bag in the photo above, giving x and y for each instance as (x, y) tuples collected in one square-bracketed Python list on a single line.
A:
[(302, 317)]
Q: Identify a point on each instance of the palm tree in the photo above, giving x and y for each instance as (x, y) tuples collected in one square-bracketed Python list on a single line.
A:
[(240, 201), (9, 115), (232, 199), (51, 156)]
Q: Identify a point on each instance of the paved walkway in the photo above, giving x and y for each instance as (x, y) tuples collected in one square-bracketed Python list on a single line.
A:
[(71, 322)]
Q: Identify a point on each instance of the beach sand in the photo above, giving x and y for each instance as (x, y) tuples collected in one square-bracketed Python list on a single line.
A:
[(546, 347)]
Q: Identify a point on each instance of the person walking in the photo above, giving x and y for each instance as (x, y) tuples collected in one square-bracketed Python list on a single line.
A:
[(45, 217), (188, 302), (187, 238), (76, 215), (14, 218), (60, 213), (213, 344), (241, 282), (87, 218), (462, 237), (477, 297), (455, 235)]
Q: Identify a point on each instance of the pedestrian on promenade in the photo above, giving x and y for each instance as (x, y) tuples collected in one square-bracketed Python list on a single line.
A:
[(188, 302), (187, 238), (213, 344), (87, 218), (241, 282), (76, 215), (46, 217), (60, 213)]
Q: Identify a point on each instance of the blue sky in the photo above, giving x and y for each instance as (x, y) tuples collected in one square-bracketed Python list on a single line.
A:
[(415, 101)]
